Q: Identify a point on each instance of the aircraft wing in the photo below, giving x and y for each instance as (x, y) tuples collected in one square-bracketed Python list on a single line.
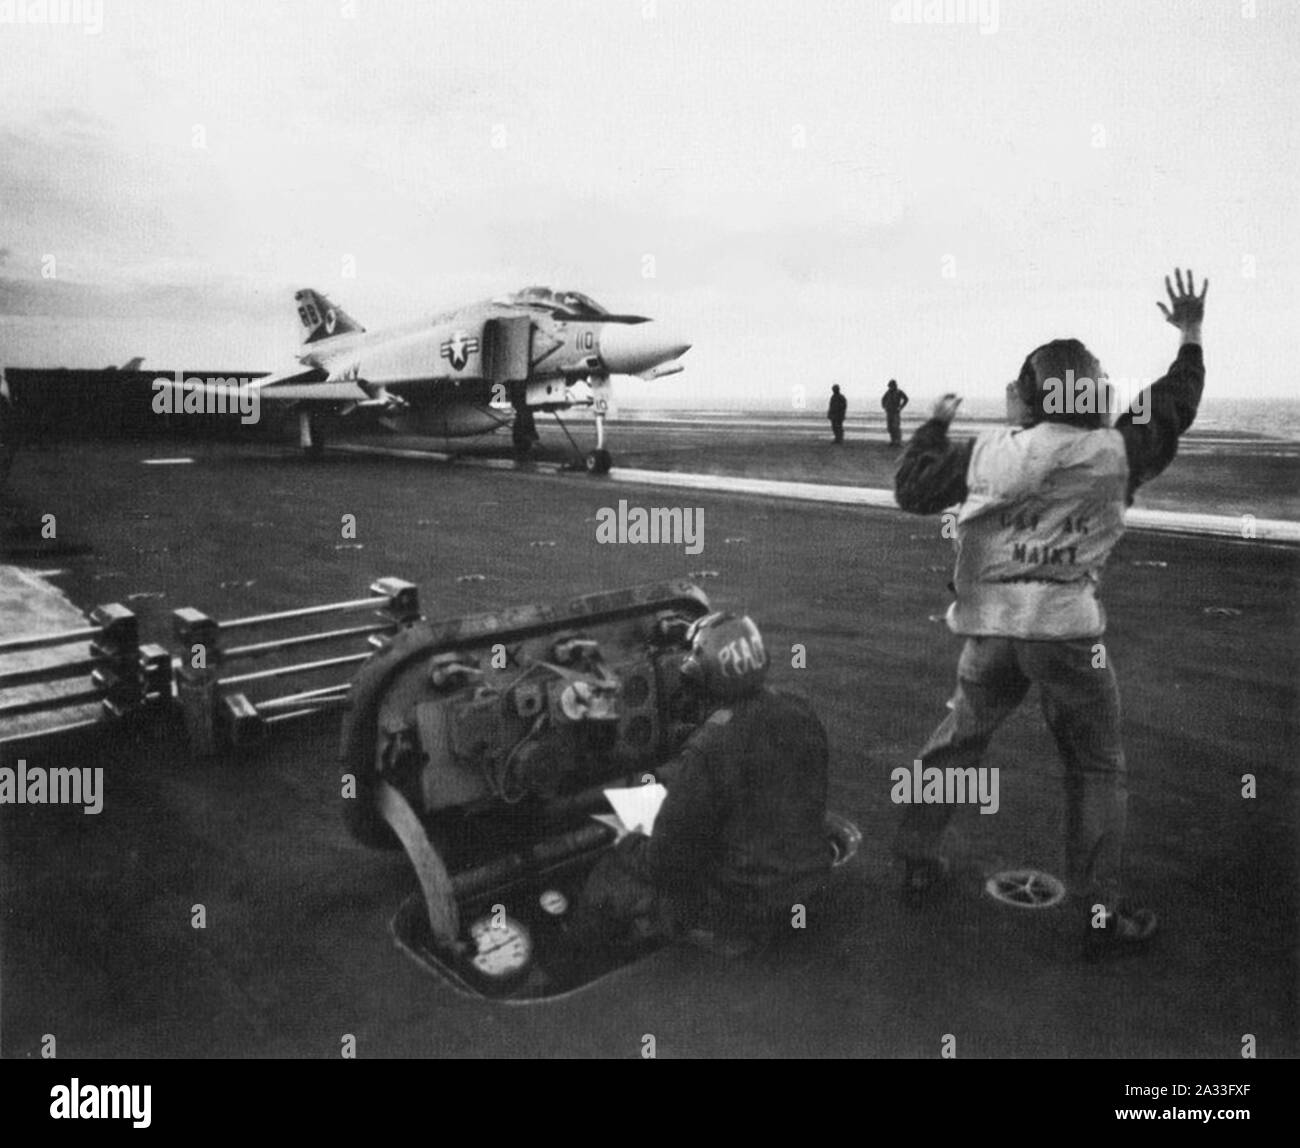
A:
[(297, 375), (311, 385), (294, 376), (296, 384)]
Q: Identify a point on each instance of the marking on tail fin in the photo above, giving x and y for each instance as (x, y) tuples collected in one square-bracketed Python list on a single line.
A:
[(321, 319)]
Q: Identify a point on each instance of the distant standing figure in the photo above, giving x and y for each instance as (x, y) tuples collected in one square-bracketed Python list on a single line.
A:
[(836, 411), (894, 400)]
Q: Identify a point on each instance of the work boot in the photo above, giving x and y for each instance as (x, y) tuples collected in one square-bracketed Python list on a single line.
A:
[(1124, 931)]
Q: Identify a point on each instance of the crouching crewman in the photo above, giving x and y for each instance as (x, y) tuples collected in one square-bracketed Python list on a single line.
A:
[(741, 837)]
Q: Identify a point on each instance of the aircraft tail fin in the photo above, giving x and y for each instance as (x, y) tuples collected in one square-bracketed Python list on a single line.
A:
[(320, 318)]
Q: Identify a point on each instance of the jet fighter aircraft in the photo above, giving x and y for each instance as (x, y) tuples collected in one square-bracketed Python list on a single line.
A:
[(472, 370)]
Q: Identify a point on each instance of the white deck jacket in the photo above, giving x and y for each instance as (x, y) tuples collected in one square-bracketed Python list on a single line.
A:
[(1044, 510), (1042, 507)]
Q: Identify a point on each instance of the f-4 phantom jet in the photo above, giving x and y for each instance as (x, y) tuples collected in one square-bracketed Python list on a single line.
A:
[(472, 370)]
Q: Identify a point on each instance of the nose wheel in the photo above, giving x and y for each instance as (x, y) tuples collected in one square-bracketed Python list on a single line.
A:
[(597, 461)]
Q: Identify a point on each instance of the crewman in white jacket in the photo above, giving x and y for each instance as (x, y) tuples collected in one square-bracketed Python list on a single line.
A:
[(1042, 506)]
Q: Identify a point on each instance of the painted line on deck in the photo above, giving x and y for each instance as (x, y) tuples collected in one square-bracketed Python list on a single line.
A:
[(1232, 526), (1138, 518)]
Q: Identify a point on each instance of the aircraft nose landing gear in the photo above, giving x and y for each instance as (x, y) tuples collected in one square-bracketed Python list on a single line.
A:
[(597, 461)]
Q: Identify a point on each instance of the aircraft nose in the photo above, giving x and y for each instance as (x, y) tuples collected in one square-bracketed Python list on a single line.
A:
[(633, 348)]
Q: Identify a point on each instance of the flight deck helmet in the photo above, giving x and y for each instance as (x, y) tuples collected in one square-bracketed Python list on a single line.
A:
[(726, 657), (1063, 382)]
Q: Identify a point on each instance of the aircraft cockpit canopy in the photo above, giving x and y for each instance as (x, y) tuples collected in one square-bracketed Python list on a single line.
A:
[(564, 304)]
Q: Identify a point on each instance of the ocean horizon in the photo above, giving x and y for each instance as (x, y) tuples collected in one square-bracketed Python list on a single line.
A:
[(1266, 418)]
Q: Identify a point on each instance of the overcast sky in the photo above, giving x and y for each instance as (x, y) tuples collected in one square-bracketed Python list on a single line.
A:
[(816, 191)]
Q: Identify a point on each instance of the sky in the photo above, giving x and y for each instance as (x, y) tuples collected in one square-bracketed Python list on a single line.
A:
[(816, 192)]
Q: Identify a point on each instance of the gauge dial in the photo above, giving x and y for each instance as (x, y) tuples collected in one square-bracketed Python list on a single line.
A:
[(504, 946)]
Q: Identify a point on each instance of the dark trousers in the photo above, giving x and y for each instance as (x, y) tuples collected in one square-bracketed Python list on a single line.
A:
[(837, 429), (894, 424), (1081, 706), (620, 908)]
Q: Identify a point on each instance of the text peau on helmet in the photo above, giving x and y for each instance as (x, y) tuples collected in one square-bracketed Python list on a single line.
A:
[(726, 658)]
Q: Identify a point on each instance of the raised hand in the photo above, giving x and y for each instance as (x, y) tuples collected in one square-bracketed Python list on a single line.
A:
[(1186, 309), (946, 408)]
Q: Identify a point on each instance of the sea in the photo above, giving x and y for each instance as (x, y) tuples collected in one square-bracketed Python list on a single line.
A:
[(1267, 418), (1262, 418)]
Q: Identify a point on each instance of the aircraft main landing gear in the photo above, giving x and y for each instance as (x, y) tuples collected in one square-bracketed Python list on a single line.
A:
[(524, 432), (7, 433), (599, 460), (309, 436)]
